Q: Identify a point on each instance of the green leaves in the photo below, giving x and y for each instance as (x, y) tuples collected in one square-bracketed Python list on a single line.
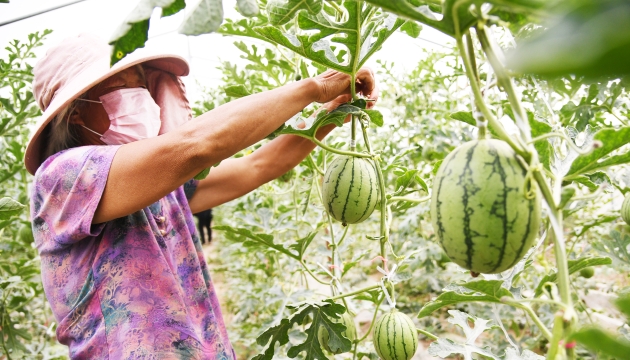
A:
[(321, 314), (611, 140), (336, 117), (445, 347), (602, 342), (134, 32), (481, 290), (9, 208), (248, 7), (282, 11), (205, 18), (592, 39), (574, 266), (250, 239), (340, 45)]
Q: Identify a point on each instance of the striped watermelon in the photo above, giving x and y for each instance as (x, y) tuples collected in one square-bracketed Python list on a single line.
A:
[(479, 210), (395, 336), (625, 209), (350, 190), (350, 333)]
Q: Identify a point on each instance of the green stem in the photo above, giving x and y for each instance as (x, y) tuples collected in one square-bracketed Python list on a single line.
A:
[(343, 236), (543, 329), (566, 138), (312, 274), (408, 199), (427, 334), (337, 151), (378, 305), (479, 102), (353, 133), (356, 292), (314, 164), (505, 81), (554, 342), (381, 185)]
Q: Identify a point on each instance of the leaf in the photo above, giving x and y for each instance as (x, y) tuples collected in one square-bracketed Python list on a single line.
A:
[(425, 15), (623, 304), (248, 8), (602, 342), (512, 354), (250, 239), (203, 174), (237, 91), (543, 147), (481, 290), (593, 181), (321, 314), (574, 266), (375, 117), (611, 139), (336, 117), (282, 11), (302, 244), (411, 28), (591, 39), (204, 19), (445, 347), (328, 42), (407, 179), (134, 31), (9, 207), (464, 116), (615, 245)]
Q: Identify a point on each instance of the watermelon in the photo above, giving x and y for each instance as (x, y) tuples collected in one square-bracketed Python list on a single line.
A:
[(479, 210), (350, 333), (350, 189), (625, 209), (395, 336)]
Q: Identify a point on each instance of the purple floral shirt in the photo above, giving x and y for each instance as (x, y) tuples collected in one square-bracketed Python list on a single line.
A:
[(136, 287)]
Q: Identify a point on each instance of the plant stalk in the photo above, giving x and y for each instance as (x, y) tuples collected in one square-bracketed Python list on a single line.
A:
[(356, 292)]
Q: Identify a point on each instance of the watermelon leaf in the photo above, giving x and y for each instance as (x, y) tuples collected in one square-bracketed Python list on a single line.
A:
[(248, 8), (9, 208), (321, 314), (237, 91), (302, 244), (375, 117), (611, 139), (598, 340), (325, 40), (512, 354), (204, 19), (464, 116), (481, 290), (543, 147), (336, 117), (249, 239), (411, 28), (133, 33), (445, 347), (574, 266), (615, 245)]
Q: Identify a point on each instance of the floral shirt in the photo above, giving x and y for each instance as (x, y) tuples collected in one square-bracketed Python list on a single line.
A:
[(136, 287)]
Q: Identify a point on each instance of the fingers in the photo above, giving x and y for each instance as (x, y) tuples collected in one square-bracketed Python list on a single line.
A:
[(366, 83)]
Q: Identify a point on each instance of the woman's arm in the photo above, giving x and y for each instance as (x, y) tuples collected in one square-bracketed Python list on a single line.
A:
[(145, 171)]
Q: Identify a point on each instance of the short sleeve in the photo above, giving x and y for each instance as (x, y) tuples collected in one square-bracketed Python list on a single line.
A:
[(190, 187), (66, 192)]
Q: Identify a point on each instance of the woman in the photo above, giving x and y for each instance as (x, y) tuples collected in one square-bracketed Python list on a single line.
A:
[(122, 265)]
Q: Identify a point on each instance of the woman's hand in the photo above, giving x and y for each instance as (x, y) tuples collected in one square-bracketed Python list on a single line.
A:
[(334, 87)]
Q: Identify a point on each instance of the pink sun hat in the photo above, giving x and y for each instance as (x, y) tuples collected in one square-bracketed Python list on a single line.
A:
[(72, 68)]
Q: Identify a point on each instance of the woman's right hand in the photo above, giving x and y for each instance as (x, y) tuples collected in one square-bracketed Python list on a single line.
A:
[(335, 86)]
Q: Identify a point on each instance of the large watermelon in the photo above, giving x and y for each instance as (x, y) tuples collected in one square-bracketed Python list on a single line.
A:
[(625, 209), (350, 333), (395, 336), (479, 209), (350, 190)]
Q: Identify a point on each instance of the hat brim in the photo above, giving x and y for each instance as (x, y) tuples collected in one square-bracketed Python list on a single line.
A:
[(88, 78)]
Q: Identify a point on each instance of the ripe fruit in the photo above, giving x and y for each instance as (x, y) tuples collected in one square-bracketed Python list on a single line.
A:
[(395, 336), (350, 190), (350, 333), (479, 209), (625, 209), (587, 273)]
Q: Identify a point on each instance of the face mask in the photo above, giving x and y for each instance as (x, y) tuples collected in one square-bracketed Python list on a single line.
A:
[(133, 114)]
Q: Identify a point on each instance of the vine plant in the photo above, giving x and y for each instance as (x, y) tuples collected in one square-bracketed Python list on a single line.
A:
[(342, 35)]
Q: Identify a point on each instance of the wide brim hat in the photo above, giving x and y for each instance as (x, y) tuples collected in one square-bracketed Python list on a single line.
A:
[(73, 67)]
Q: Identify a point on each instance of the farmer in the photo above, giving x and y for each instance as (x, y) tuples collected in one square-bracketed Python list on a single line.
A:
[(112, 202)]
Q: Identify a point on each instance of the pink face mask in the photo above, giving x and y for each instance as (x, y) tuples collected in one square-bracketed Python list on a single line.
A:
[(133, 113)]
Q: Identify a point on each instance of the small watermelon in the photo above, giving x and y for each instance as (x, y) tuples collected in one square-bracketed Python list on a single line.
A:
[(350, 333), (350, 189), (395, 336), (625, 209), (479, 210)]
